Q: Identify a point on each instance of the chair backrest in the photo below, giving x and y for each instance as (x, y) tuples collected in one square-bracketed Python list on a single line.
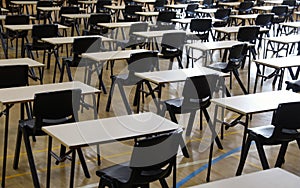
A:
[(100, 5), (44, 31), (159, 5), (280, 10), (13, 76), (245, 7), (142, 62), (208, 3), (236, 55), (291, 3), (222, 14), (83, 45), (248, 34), (98, 18), (286, 121), (16, 20), (138, 27), (166, 16), (173, 41), (190, 10), (68, 10), (44, 4), (153, 158), (201, 25), (198, 90), (50, 108), (264, 20), (129, 12)]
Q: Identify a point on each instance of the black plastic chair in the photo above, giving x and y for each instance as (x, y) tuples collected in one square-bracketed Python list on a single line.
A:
[(138, 62), (280, 16), (249, 34), (208, 3), (41, 15), (93, 28), (39, 32), (164, 22), (264, 21), (190, 10), (100, 6), (11, 35), (152, 159), (245, 7), (172, 47), (69, 22), (129, 13), (236, 55), (292, 4), (49, 108), (12, 8), (196, 95), (282, 131), (202, 28), (293, 85), (13, 76), (134, 40), (222, 14), (159, 5)]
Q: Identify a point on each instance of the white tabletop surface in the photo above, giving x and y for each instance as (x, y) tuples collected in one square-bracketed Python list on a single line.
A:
[(169, 76), (153, 34), (291, 24), (21, 61), (116, 24), (258, 102), (24, 94), (284, 39), (109, 129), (111, 55), (235, 29), (27, 27), (70, 40), (272, 178), (205, 46), (75, 16), (24, 2), (280, 62), (244, 16)]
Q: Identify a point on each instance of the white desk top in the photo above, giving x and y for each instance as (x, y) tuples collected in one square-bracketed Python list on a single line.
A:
[(205, 46), (271, 178), (153, 34), (21, 61), (235, 29), (291, 24), (147, 13), (258, 102), (188, 20), (169, 76), (244, 16), (109, 129), (48, 8), (70, 40), (88, 2), (75, 16), (24, 2), (177, 6), (115, 7), (230, 4), (111, 55), (280, 62), (116, 24), (27, 27), (24, 94), (284, 39), (144, 1)]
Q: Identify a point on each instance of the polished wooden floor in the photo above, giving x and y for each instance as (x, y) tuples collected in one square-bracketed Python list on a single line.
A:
[(191, 171)]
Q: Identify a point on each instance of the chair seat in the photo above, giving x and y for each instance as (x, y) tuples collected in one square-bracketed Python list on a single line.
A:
[(175, 102), (294, 85), (40, 46), (263, 131), (218, 66), (120, 172)]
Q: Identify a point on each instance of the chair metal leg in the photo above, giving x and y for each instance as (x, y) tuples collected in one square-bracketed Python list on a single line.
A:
[(113, 79), (34, 175), (190, 123), (281, 154), (17, 149), (83, 163), (262, 155), (244, 156)]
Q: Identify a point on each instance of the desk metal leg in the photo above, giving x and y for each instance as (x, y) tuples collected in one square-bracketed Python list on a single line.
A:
[(5, 146), (49, 162), (72, 168)]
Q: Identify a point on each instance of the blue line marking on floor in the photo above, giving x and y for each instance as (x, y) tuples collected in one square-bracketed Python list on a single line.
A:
[(193, 174)]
